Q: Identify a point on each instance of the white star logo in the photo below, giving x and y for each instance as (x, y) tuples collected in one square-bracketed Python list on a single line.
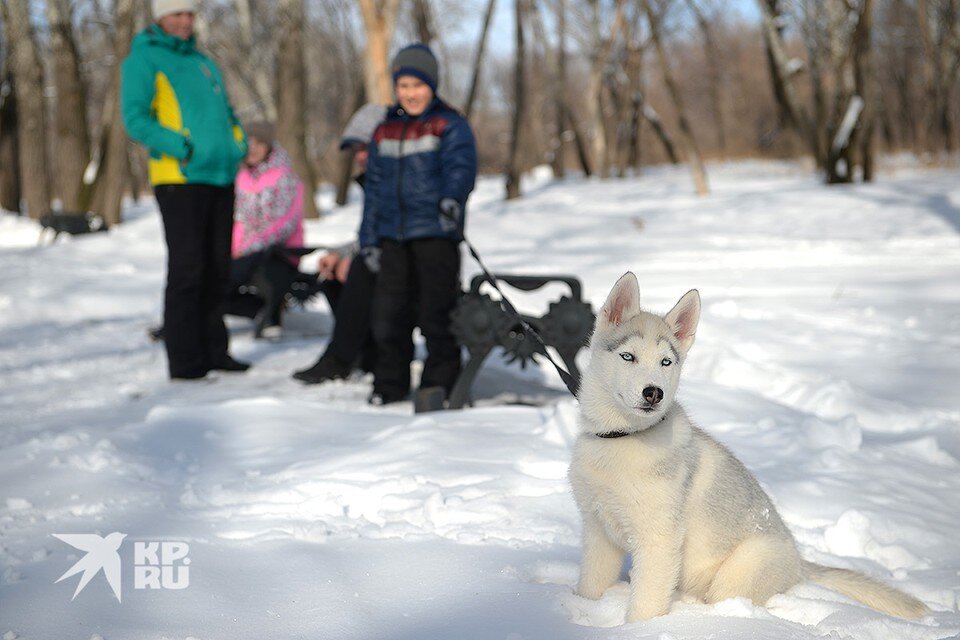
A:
[(101, 555)]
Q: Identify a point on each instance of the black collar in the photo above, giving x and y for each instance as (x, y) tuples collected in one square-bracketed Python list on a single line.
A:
[(623, 434)]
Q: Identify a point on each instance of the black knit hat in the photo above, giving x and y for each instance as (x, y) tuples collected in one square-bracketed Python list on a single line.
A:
[(416, 60)]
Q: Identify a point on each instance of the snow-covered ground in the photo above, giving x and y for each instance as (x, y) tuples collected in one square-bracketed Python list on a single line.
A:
[(827, 359)]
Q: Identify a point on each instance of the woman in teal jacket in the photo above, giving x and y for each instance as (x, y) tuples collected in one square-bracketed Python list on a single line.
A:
[(174, 102)]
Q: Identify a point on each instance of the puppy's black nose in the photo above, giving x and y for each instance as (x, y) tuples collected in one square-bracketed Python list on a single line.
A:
[(653, 395)]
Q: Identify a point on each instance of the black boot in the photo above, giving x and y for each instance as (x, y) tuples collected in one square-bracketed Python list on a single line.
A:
[(327, 367), (380, 398), (226, 363)]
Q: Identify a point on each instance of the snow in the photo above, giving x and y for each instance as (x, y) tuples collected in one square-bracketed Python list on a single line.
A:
[(826, 359)]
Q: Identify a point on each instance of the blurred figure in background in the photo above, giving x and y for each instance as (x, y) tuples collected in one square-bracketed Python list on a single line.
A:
[(421, 169), (351, 280), (268, 219), (174, 102)]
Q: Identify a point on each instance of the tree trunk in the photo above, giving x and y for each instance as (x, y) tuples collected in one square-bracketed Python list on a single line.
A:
[(904, 76), (255, 73), (345, 176), (478, 59), (114, 155), (937, 29), (379, 19), (695, 161), (30, 106), (594, 98), (634, 71), (9, 152), (653, 119), (786, 118), (616, 144), (560, 89), (790, 109), (578, 141), (821, 133), (519, 105), (713, 59), (71, 142), (865, 86), (424, 19), (291, 100)]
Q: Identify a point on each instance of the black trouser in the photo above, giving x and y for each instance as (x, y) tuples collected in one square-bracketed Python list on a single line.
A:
[(271, 274), (418, 285), (245, 304), (198, 225), (352, 304)]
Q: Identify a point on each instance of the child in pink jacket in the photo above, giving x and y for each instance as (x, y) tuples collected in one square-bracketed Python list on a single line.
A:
[(268, 216), (269, 197)]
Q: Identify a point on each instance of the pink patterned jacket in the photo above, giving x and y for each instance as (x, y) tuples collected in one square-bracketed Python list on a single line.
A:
[(269, 206)]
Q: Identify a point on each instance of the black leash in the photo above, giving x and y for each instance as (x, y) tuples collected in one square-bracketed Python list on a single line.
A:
[(507, 306)]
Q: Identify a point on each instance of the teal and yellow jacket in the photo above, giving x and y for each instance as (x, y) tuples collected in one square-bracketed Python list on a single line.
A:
[(174, 102)]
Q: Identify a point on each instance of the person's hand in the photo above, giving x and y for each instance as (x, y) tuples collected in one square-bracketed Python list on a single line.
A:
[(450, 212), (328, 265), (342, 268), (186, 160), (371, 257)]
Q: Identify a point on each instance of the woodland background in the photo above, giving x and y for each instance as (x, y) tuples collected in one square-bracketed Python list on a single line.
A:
[(597, 87)]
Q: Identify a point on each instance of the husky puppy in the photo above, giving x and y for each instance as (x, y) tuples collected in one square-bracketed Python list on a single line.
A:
[(650, 483)]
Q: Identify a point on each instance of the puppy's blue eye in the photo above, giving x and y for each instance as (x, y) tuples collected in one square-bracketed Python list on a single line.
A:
[(627, 356), (666, 362)]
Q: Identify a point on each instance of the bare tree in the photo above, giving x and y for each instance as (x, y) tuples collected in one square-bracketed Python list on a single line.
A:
[(291, 100), (713, 59), (836, 34), (345, 174), (567, 125), (9, 152), (599, 58), (29, 83), (478, 58), (519, 103), (656, 123), (113, 163), (379, 19), (423, 16), (783, 70), (560, 90), (689, 142), (581, 146), (864, 81), (71, 139), (255, 73), (898, 71), (938, 20)]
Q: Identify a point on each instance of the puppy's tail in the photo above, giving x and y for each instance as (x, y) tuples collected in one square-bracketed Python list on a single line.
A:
[(870, 592)]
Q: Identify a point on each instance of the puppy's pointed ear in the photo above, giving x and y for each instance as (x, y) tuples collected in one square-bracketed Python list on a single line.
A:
[(622, 304), (683, 319)]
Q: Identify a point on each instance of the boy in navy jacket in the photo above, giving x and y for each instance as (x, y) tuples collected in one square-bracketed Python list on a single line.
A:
[(421, 168)]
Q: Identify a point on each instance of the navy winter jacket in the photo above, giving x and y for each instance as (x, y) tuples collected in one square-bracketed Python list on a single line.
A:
[(414, 163)]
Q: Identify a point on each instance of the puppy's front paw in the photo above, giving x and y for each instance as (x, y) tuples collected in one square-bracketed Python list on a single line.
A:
[(645, 611), (590, 590)]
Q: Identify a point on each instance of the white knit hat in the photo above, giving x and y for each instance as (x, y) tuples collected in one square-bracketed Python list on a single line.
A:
[(166, 7), (362, 124)]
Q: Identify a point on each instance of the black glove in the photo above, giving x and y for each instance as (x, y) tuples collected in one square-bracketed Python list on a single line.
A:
[(371, 258), (450, 213)]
